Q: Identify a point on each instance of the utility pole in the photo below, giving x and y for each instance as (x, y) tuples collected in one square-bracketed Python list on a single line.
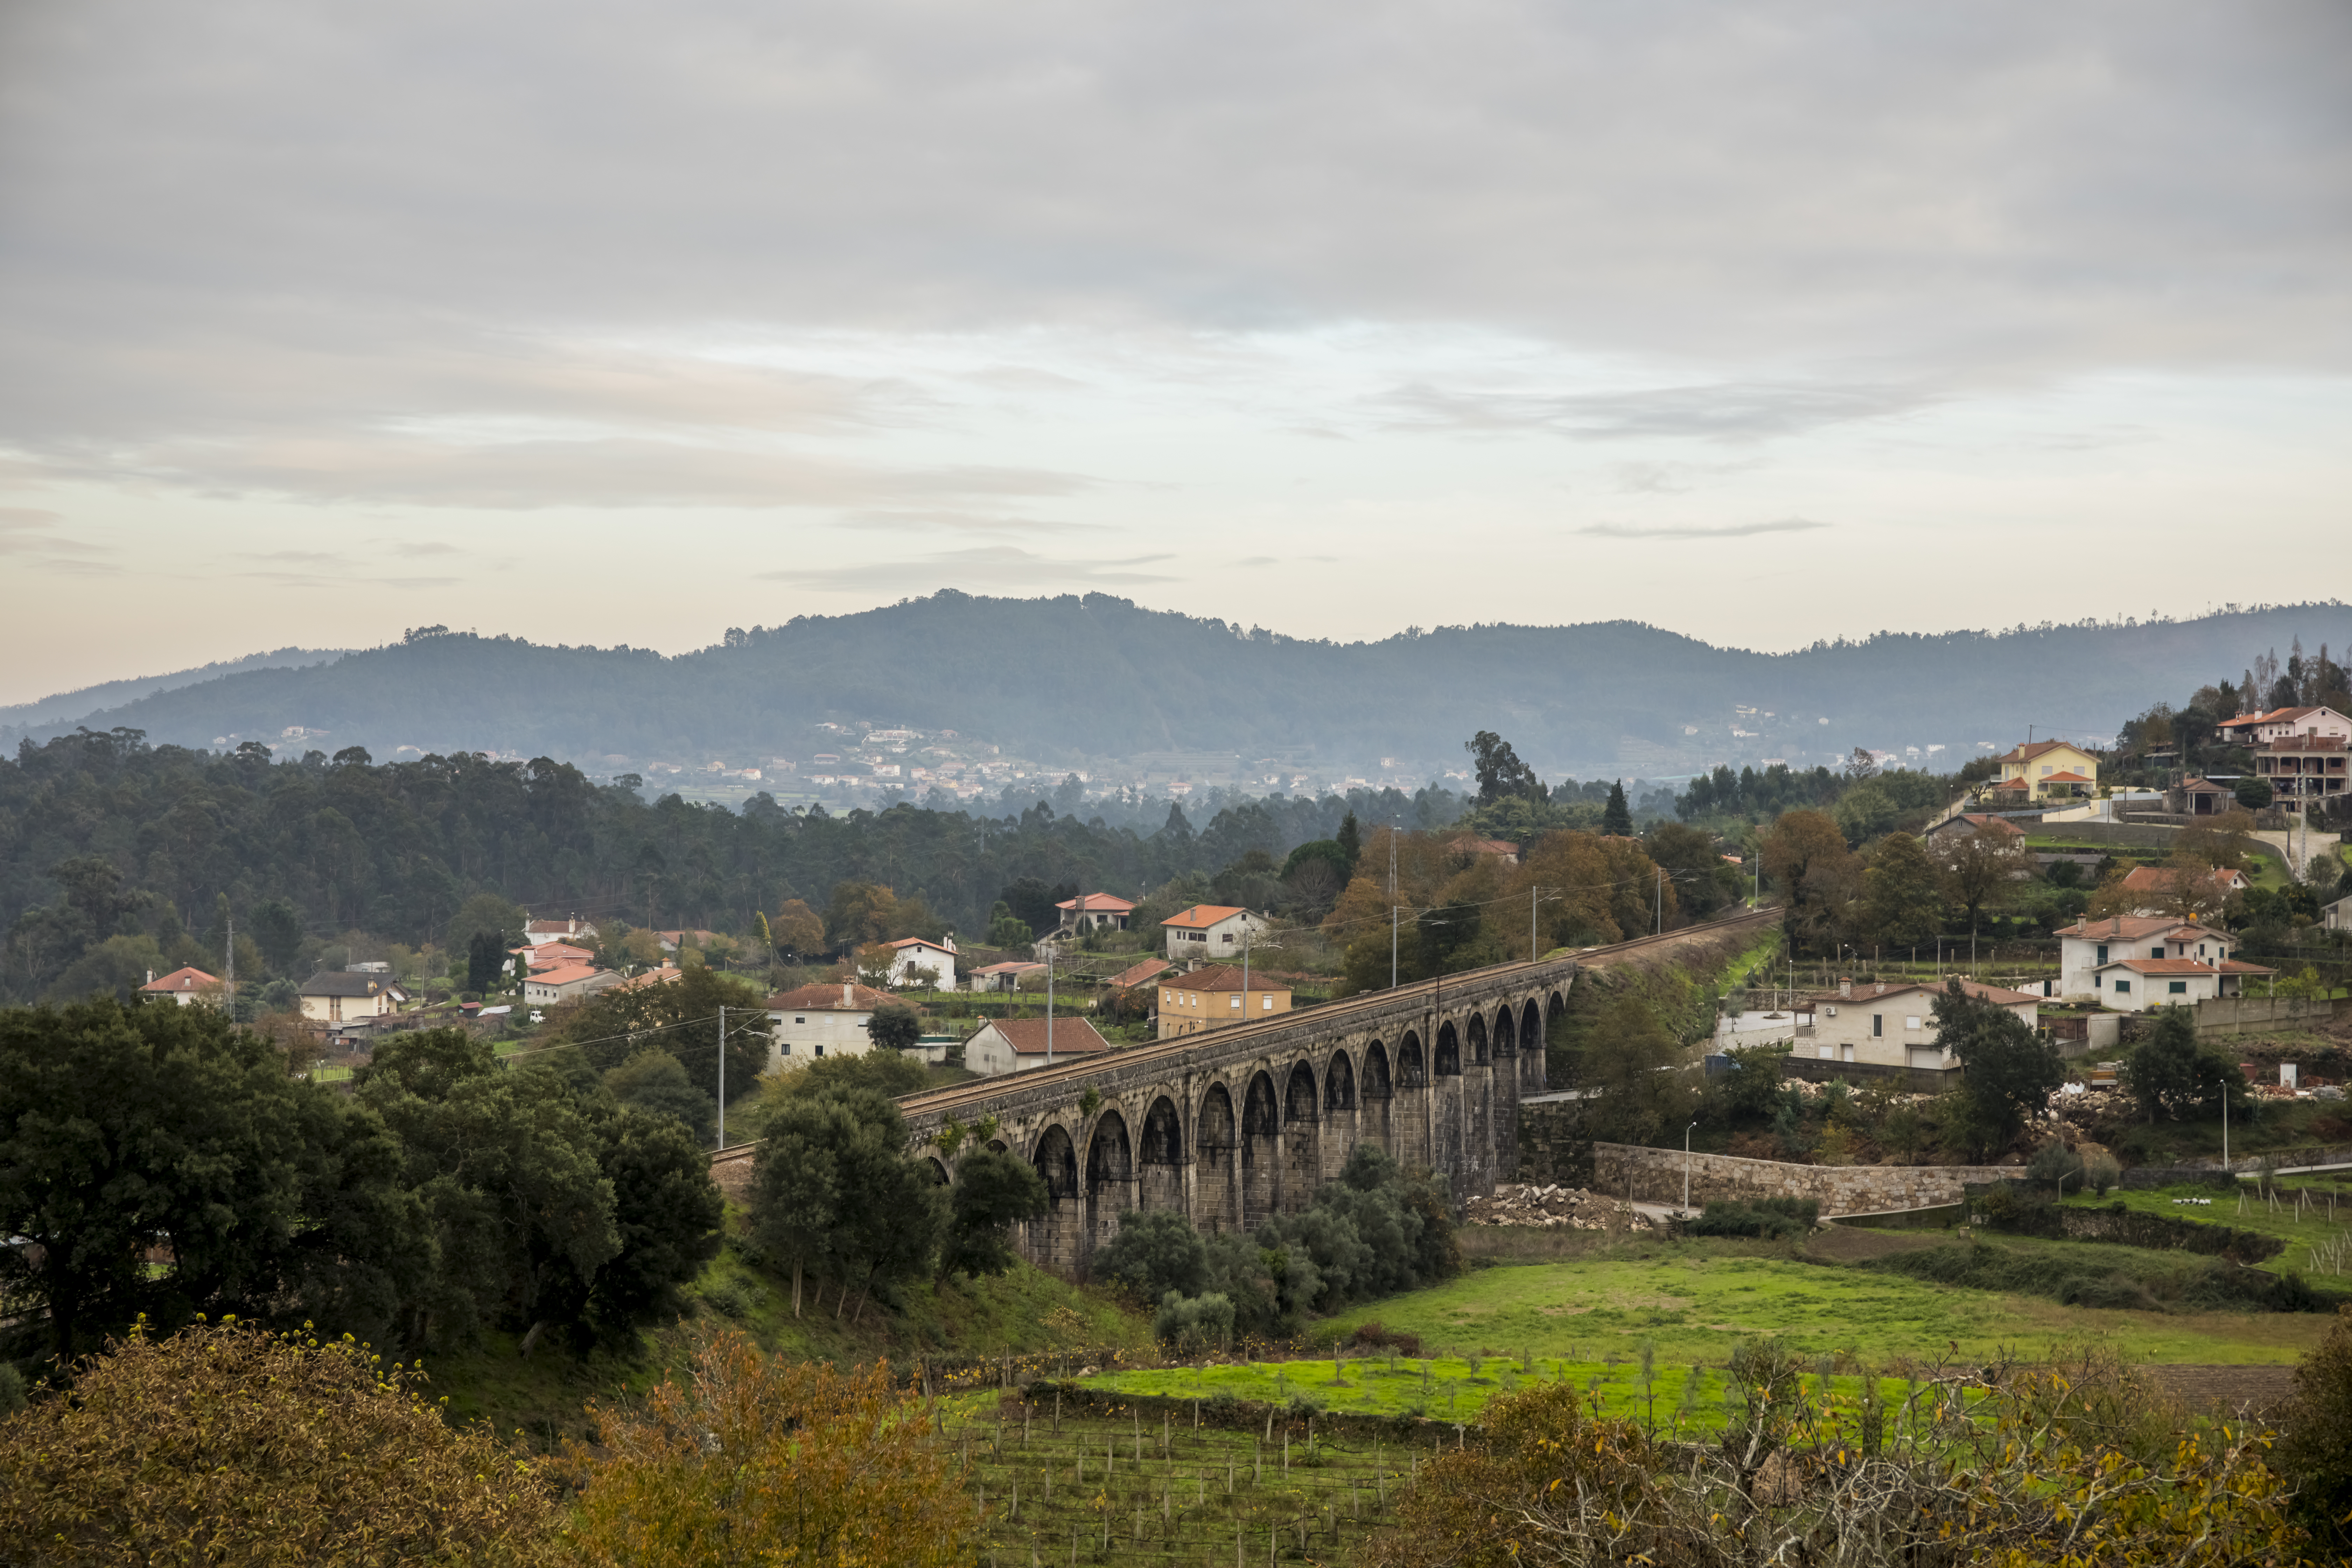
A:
[(1049, 1004), (1392, 946), (1531, 925), (1659, 899), (1246, 955), (722, 1075), (229, 988)]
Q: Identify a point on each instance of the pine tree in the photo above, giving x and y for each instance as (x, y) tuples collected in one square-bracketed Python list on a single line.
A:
[(1617, 817)]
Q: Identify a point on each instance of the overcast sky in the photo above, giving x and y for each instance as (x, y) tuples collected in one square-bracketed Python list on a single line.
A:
[(606, 323)]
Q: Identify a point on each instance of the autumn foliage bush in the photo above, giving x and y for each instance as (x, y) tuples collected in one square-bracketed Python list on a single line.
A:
[(752, 1459), (224, 1446)]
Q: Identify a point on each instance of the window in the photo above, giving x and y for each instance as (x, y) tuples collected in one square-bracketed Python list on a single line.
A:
[(820, 1051), (1877, 1026), (2123, 987), (788, 1049), (800, 1020), (2103, 952), (2178, 988), (1911, 1023), (1269, 1004), (2157, 951), (1236, 1004)]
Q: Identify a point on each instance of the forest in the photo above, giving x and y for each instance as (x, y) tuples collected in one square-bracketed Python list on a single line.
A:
[(105, 838)]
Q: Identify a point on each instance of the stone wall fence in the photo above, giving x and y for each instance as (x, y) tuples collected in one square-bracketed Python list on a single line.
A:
[(1655, 1176)]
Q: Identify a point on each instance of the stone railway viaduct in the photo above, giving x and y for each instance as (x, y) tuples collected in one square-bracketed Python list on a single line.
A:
[(1244, 1122)]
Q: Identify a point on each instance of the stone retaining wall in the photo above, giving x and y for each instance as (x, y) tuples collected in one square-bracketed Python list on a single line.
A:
[(1656, 1175), (2239, 1014)]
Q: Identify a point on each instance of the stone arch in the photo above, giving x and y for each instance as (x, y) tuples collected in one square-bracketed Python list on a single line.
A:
[(1477, 1033), (1503, 1091), (939, 1172), (1110, 1178), (1059, 1235), (1160, 1158), (1445, 1111), (1410, 1106), (1339, 1117), (1216, 1146), (1261, 1150), (999, 1145), (1377, 1126), (1302, 1138)]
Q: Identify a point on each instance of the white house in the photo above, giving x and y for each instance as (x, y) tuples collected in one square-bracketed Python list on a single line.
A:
[(567, 982), (342, 997), (913, 953), (573, 930), (1006, 976), (1094, 911), (2087, 945), (1892, 1026), (1210, 933), (2337, 916), (2287, 723), (820, 1021), (2142, 984), (183, 987), (1018, 1045)]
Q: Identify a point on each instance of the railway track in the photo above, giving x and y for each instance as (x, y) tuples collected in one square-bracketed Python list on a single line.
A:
[(985, 1090)]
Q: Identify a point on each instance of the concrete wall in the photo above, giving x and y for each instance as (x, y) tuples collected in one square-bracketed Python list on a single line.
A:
[(1656, 1175)]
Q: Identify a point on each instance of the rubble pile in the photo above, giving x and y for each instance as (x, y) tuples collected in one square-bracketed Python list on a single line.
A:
[(1570, 1208)]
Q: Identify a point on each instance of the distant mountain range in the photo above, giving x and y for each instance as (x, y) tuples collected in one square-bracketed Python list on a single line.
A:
[(1098, 682)]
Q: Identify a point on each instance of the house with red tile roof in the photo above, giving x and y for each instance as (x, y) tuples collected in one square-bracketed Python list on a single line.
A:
[(909, 953), (1095, 911), (1215, 996), (1021, 1045), (184, 987), (813, 1022), (2285, 723), (571, 929), (1892, 1024), (567, 983), (1211, 932), (2154, 886), (2140, 984), (2087, 945), (2042, 769)]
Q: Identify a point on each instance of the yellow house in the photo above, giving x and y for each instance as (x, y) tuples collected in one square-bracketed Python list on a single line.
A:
[(2049, 769), (1212, 997)]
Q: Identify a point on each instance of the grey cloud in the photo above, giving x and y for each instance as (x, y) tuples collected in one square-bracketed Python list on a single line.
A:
[(962, 521), (620, 471), (2006, 186), (27, 530), (1731, 412), (1700, 531)]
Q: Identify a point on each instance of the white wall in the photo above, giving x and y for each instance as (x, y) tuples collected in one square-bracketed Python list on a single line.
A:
[(812, 1035)]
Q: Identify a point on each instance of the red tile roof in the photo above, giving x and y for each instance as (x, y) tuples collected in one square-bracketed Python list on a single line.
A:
[(2026, 754), (1200, 916), (1106, 903), (920, 942), (2162, 966), (179, 979), (2065, 778), (2154, 879), (1222, 977), (1072, 1036), (567, 974), (2132, 928), (1017, 966), (1149, 969)]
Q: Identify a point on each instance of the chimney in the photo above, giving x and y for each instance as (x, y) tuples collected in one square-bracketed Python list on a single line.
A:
[(1845, 986), (1882, 988), (150, 977)]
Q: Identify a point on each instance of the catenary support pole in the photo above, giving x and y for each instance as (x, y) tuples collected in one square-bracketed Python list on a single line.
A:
[(722, 1074)]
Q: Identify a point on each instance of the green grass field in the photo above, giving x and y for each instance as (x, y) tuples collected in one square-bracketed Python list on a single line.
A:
[(1689, 1304), (2310, 1215)]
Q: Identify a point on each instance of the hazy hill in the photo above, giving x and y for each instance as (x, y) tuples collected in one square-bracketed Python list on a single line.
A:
[(1067, 678), (66, 707)]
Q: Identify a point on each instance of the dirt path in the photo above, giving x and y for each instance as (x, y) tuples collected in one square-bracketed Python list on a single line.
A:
[(2227, 1390)]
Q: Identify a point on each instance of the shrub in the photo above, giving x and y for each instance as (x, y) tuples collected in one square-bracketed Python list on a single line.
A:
[(1193, 1326), (2102, 1174), (1773, 1219), (222, 1444), (811, 1463), (2055, 1162), (2315, 1447)]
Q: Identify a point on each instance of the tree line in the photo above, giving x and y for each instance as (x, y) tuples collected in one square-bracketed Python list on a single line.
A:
[(159, 1164), (164, 851)]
